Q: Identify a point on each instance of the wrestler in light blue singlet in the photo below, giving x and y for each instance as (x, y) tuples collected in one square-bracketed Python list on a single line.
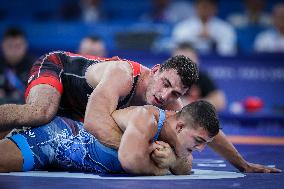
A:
[(64, 144)]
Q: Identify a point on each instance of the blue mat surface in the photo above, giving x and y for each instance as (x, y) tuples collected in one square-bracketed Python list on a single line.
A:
[(216, 172)]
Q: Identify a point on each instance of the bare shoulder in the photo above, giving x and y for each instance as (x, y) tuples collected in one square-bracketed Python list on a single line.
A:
[(117, 69), (145, 119), (141, 117), (146, 112)]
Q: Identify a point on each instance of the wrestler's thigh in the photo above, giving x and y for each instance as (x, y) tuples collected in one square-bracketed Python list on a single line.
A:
[(10, 156)]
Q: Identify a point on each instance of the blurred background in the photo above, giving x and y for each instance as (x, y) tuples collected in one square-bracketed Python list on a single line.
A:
[(238, 45)]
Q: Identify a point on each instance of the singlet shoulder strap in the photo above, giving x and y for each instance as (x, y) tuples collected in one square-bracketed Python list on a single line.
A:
[(162, 117), (136, 67)]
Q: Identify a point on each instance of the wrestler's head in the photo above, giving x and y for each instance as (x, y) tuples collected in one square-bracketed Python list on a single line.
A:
[(197, 124), (170, 80)]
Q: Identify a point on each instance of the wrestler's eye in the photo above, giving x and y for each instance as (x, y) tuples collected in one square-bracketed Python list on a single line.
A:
[(198, 141), (176, 94), (166, 85)]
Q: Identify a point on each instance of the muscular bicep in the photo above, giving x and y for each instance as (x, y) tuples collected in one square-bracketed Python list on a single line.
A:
[(133, 150), (115, 83), (135, 147)]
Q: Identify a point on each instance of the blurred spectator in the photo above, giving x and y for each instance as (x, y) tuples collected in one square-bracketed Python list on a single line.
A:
[(207, 33), (92, 45), (91, 10), (87, 10), (205, 87), (253, 15), (272, 40), (14, 66), (169, 11)]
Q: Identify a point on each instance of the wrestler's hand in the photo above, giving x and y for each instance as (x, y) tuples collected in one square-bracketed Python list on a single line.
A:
[(257, 168), (163, 155)]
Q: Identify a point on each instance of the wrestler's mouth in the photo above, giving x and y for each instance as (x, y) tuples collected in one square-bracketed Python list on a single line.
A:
[(157, 101)]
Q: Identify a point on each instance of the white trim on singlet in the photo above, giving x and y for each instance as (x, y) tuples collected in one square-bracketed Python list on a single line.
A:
[(60, 75), (74, 75), (92, 59), (51, 53)]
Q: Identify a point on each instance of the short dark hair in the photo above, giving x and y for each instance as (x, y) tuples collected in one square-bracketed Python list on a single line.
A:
[(14, 32), (185, 67), (202, 113)]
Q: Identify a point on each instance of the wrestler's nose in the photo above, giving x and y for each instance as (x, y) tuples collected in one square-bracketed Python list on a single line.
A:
[(166, 95), (200, 147)]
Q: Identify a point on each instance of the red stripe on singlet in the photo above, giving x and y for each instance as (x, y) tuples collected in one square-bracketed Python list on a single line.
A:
[(136, 67), (54, 59), (45, 80)]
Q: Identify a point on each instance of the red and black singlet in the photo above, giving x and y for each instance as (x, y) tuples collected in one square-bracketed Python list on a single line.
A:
[(66, 72)]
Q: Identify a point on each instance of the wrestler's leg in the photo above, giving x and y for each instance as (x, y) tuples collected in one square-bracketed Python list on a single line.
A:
[(10, 156), (41, 106)]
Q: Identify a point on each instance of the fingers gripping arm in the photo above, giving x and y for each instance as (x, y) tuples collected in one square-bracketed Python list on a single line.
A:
[(164, 156), (135, 148)]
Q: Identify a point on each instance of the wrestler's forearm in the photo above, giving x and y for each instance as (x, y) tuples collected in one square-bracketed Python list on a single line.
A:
[(108, 133), (182, 166), (149, 168), (40, 108), (141, 165), (225, 148), (13, 116), (99, 122)]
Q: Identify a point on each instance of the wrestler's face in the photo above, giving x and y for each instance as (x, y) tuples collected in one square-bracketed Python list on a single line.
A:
[(164, 87), (191, 138)]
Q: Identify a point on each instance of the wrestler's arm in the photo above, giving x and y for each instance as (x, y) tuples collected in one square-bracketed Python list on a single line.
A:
[(182, 166), (164, 157), (135, 148), (41, 106), (224, 147), (116, 82)]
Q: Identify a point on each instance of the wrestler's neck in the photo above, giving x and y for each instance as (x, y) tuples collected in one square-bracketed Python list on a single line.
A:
[(168, 132), (141, 87)]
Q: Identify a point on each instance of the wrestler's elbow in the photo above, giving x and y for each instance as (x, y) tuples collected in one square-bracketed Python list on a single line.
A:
[(44, 115), (38, 115), (130, 162)]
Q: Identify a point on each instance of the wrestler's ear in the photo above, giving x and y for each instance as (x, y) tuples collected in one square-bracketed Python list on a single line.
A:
[(155, 68), (179, 126)]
